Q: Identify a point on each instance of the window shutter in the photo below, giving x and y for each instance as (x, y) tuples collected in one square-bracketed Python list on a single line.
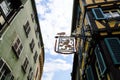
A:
[(113, 45), (100, 61), (98, 13), (89, 73)]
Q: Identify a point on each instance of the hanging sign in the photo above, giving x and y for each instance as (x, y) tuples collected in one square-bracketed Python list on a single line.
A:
[(65, 45)]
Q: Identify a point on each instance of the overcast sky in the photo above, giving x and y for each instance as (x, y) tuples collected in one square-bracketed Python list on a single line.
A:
[(55, 16)]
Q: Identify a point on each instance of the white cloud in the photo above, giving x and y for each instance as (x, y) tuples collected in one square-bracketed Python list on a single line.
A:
[(57, 20), (54, 65), (48, 76)]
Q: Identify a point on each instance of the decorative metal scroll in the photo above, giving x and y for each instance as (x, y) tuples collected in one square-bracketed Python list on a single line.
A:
[(65, 45)]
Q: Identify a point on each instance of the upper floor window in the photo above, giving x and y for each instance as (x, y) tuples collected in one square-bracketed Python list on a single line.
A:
[(27, 28), (25, 64), (32, 45), (32, 17), (112, 14), (5, 73), (36, 31), (17, 46), (98, 13), (35, 56), (6, 7), (100, 60), (30, 74), (39, 45)]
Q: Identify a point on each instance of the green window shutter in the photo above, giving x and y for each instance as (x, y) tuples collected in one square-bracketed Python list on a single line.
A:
[(100, 60), (113, 45), (98, 13), (89, 73)]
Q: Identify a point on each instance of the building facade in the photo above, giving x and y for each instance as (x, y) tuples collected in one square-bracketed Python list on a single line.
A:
[(21, 45), (96, 25)]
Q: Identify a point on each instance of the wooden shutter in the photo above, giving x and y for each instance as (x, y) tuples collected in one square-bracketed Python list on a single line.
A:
[(113, 45), (98, 13)]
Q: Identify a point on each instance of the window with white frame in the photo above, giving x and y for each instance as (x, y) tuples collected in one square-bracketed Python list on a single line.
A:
[(112, 14), (5, 6), (17, 46), (30, 74), (25, 64), (5, 72), (27, 28), (32, 45), (32, 17), (35, 56)]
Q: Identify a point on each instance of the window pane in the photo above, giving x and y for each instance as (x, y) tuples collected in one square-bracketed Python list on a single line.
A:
[(15, 46), (5, 7)]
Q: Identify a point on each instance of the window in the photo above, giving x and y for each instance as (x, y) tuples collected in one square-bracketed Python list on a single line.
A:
[(32, 44), (89, 73), (35, 56), (98, 13), (17, 47), (100, 60), (113, 45), (112, 14), (25, 64), (36, 31), (5, 9), (5, 73), (78, 12), (5, 6), (27, 28), (39, 44), (36, 73), (30, 74), (32, 17), (8, 9)]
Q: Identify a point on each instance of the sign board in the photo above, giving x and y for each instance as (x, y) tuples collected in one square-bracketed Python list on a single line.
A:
[(65, 45)]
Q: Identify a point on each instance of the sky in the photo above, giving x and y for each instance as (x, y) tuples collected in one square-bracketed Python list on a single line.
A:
[(55, 16)]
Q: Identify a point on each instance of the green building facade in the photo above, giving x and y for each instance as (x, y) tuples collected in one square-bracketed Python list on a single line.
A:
[(20, 40)]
